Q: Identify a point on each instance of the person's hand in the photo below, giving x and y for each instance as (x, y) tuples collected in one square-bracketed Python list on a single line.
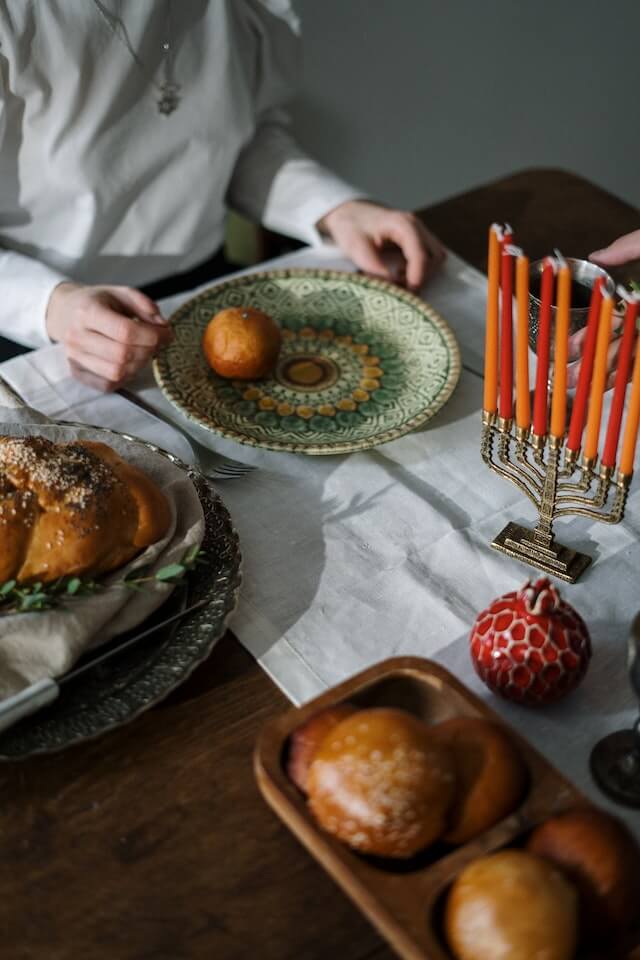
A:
[(621, 251), (362, 230), (576, 347), (108, 332)]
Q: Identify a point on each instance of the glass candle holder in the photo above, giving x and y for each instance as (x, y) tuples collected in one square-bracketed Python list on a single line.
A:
[(583, 277), (615, 760)]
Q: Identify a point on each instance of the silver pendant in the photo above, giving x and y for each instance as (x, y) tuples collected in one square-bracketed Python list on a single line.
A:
[(169, 98)]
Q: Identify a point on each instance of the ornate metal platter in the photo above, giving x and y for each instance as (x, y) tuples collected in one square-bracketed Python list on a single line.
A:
[(362, 362), (131, 682)]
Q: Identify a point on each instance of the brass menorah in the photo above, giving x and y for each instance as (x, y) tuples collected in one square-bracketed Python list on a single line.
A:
[(545, 460), (559, 484)]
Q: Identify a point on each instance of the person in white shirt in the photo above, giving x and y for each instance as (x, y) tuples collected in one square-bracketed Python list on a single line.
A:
[(127, 129)]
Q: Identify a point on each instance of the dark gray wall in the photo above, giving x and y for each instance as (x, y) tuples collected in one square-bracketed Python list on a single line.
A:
[(417, 99)]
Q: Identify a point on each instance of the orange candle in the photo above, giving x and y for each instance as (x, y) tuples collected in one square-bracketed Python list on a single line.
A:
[(561, 351), (523, 403), (599, 379), (490, 401), (630, 438)]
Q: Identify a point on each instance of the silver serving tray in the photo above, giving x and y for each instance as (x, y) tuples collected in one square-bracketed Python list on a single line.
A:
[(129, 683)]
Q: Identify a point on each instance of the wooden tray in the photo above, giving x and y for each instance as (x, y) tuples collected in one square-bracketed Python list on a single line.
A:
[(403, 899)]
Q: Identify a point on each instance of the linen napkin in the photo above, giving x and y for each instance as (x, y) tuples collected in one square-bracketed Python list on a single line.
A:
[(43, 380), (46, 644)]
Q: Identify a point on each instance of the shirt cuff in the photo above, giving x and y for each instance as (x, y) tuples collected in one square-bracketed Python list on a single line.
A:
[(26, 287), (301, 194)]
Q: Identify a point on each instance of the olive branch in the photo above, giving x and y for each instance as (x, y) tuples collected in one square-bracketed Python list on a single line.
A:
[(38, 597)]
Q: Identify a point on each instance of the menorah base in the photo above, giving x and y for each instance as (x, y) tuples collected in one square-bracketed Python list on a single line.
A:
[(560, 561)]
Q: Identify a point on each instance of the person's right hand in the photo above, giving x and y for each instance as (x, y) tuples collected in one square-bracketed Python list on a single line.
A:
[(621, 251), (576, 347), (108, 332)]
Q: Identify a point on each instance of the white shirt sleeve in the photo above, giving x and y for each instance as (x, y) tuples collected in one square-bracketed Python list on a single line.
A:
[(274, 182), (25, 284), (25, 288)]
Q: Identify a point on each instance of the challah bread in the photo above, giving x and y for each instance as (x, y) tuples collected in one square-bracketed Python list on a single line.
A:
[(72, 509), (491, 777), (305, 742), (601, 857), (382, 783), (511, 905)]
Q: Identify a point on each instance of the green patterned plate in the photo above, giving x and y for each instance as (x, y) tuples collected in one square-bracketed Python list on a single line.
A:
[(362, 362)]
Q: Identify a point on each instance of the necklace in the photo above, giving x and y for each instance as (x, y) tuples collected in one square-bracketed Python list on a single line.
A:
[(167, 89)]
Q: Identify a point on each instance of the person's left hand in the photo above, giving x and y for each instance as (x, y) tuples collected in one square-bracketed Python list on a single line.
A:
[(363, 229)]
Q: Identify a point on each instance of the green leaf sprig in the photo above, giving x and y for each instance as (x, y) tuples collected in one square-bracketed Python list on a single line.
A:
[(37, 597)]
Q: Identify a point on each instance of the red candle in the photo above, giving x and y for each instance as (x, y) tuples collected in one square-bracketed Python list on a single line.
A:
[(630, 437), (540, 402), (560, 352), (523, 403), (578, 415), (620, 385), (505, 408)]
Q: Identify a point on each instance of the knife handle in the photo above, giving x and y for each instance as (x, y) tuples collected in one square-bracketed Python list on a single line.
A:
[(27, 701)]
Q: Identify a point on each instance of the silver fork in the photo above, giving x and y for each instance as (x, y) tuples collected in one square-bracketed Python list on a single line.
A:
[(213, 465), (218, 466)]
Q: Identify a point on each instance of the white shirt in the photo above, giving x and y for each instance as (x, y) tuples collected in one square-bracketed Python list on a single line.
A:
[(98, 186)]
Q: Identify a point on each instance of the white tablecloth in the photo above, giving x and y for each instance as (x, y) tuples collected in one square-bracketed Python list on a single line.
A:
[(352, 559)]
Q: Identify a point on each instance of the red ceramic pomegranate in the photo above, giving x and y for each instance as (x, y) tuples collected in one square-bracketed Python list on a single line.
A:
[(530, 645)]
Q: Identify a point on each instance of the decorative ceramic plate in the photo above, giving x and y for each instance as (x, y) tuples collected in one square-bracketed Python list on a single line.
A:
[(362, 362), (130, 682)]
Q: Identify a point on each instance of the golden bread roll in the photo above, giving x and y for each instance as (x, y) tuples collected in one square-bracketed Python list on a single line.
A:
[(491, 777), (72, 509), (242, 343), (511, 905), (381, 783), (601, 858), (305, 741)]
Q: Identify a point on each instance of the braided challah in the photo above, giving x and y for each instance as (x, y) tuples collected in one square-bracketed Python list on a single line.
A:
[(72, 509)]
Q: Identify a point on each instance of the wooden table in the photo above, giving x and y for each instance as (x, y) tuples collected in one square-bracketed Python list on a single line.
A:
[(153, 843)]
